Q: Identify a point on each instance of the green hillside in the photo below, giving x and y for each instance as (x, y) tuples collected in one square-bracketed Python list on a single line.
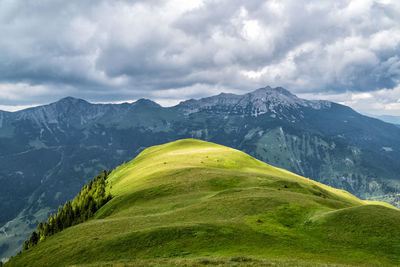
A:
[(197, 203)]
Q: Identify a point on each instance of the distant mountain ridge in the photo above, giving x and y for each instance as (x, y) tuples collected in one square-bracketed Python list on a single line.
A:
[(387, 118), (48, 152), (256, 103)]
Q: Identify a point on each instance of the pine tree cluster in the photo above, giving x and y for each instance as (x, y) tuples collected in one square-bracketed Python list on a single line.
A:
[(91, 198)]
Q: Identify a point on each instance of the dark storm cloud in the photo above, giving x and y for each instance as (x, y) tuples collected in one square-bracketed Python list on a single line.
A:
[(171, 50)]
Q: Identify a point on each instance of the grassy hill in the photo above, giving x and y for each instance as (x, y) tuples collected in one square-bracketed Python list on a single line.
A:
[(197, 203)]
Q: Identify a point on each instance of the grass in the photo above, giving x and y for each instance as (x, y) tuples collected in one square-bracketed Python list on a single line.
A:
[(209, 261), (196, 203)]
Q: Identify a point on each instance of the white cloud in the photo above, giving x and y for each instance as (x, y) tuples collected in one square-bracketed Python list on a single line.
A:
[(380, 102), (17, 91), (128, 49), (16, 108)]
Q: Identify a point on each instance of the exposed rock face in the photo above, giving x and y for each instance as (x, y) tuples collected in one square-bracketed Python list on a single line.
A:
[(277, 101)]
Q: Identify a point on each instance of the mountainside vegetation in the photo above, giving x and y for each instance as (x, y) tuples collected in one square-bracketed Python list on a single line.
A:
[(198, 203), (90, 199), (49, 152)]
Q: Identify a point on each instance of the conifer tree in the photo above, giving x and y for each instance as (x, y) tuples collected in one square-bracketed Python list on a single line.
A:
[(90, 199), (33, 239)]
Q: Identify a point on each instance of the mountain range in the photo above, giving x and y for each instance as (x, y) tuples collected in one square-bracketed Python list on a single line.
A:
[(387, 118), (48, 152), (196, 203)]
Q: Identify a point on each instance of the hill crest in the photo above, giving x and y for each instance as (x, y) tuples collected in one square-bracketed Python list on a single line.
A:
[(191, 198)]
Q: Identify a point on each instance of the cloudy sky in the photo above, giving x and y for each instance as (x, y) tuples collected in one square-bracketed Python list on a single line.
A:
[(347, 51)]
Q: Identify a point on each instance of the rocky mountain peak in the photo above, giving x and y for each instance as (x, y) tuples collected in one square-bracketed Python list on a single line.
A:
[(65, 111), (146, 102), (275, 96), (269, 91), (69, 100), (258, 102)]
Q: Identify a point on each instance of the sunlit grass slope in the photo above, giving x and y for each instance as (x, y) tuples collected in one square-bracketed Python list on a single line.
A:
[(197, 203)]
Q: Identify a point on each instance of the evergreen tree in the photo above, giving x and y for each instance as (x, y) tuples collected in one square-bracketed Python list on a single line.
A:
[(90, 199), (25, 246), (33, 240), (45, 231), (51, 225), (40, 227)]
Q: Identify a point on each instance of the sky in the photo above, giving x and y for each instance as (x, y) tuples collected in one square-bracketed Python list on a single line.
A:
[(347, 51)]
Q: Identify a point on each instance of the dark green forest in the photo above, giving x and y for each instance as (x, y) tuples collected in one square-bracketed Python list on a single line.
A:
[(90, 199)]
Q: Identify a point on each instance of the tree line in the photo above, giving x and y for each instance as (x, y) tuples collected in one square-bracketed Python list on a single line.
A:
[(90, 199)]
